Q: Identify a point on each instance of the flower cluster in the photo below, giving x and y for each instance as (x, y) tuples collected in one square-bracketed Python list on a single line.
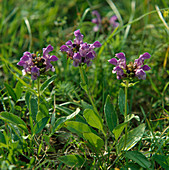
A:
[(104, 24), (36, 65), (79, 51), (131, 70)]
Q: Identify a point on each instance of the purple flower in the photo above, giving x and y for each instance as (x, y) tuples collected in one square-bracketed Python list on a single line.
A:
[(35, 73), (79, 37), (26, 62), (104, 24), (79, 51), (96, 21), (36, 65), (139, 69), (49, 58), (131, 70), (113, 22)]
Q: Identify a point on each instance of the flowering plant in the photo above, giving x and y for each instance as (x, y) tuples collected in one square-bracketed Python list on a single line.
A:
[(104, 24), (79, 51), (131, 70), (36, 65)]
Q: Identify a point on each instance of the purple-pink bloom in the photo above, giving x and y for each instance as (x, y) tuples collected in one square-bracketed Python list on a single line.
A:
[(113, 22), (49, 58), (104, 24), (96, 21), (79, 51), (35, 73), (26, 62), (36, 65), (131, 70)]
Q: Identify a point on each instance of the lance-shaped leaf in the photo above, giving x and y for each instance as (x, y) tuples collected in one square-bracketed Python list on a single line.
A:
[(132, 138), (110, 113), (93, 119), (139, 158), (72, 160), (15, 120)]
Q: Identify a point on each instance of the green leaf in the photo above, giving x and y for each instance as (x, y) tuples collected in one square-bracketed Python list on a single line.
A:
[(34, 108), (47, 83), (119, 128), (162, 160), (60, 121), (11, 92), (2, 138), (18, 89), (83, 86), (43, 112), (72, 160), (110, 113), (11, 118), (40, 125), (94, 140), (27, 98), (93, 119), (77, 127), (139, 158), (131, 116), (64, 109), (121, 101), (132, 138), (86, 105)]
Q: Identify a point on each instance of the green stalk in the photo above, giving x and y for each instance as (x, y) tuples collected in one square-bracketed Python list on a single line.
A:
[(38, 79), (125, 114), (87, 91)]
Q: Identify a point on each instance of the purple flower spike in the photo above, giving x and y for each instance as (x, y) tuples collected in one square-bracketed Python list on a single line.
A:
[(104, 24), (36, 65), (131, 70), (80, 52)]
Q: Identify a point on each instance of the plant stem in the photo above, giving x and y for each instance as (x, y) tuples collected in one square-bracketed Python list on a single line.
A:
[(86, 89), (125, 113), (38, 79)]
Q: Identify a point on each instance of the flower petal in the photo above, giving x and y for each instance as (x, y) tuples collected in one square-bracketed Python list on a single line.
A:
[(64, 48), (53, 58), (69, 43), (140, 74), (97, 44), (146, 68), (120, 55), (47, 50), (113, 61), (145, 56)]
